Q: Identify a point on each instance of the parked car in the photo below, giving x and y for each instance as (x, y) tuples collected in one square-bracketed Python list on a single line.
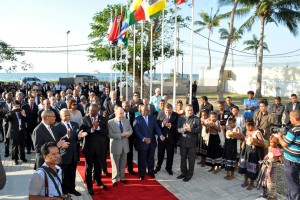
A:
[(30, 80), (86, 78), (123, 83)]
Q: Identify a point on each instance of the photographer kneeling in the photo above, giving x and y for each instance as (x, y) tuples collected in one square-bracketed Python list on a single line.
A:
[(46, 181), (291, 144)]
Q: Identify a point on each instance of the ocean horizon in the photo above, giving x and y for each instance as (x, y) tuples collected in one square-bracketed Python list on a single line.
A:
[(16, 77)]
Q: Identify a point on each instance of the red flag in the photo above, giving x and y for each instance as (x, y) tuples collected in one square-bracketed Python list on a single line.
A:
[(114, 32), (180, 1)]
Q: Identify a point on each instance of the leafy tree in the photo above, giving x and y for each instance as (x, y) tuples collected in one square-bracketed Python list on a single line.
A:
[(253, 45), (208, 21), (8, 54), (284, 12), (236, 35), (100, 48)]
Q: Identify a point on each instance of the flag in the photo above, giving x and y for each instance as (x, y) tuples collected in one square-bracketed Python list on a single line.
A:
[(149, 9), (124, 33), (129, 15), (180, 1), (110, 26), (113, 34)]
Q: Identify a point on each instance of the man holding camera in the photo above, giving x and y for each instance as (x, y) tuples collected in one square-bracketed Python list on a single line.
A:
[(291, 144)]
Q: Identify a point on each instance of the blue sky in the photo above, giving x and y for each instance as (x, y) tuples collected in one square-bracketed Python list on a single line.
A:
[(36, 23)]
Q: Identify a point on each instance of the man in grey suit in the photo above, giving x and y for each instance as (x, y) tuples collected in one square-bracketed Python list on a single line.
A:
[(119, 129), (188, 129)]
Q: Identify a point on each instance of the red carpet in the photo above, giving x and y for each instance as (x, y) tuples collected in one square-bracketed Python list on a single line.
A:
[(135, 189)]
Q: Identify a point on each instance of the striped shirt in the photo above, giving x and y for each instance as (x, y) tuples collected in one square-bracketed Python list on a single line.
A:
[(292, 151)]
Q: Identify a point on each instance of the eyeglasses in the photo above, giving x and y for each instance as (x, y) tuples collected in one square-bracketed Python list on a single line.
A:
[(74, 104), (135, 95), (51, 116)]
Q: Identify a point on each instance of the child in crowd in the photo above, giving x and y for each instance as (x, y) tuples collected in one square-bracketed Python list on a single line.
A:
[(229, 161), (252, 153), (215, 144), (203, 140), (267, 176)]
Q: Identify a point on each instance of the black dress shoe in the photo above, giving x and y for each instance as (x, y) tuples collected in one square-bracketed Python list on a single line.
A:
[(186, 179), (170, 172), (76, 193), (28, 152), (104, 187), (90, 191), (152, 175), (124, 181), (24, 160), (16, 162), (6, 155), (181, 176), (156, 170), (142, 178), (132, 173), (115, 184), (107, 174)]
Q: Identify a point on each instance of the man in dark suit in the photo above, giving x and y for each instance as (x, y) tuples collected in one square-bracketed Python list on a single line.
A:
[(16, 131), (293, 105), (110, 105), (145, 127), (105, 96), (5, 109), (47, 106), (151, 107), (31, 110), (205, 105), (45, 132), (94, 146), (130, 116), (69, 131), (188, 128), (167, 121)]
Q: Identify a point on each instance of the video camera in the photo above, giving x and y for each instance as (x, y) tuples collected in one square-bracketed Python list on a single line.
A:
[(276, 128)]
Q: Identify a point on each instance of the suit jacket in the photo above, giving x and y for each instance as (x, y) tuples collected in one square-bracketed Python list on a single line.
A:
[(142, 130), (118, 144), (5, 110), (57, 117), (188, 139), (70, 153), (277, 112), (91, 142), (263, 123), (288, 109), (206, 108), (170, 133), (40, 136), (110, 107), (31, 115), (13, 124)]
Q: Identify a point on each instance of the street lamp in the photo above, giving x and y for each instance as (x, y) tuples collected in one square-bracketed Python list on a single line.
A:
[(68, 54)]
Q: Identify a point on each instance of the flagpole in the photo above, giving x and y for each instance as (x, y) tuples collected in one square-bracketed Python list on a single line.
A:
[(151, 55), (111, 61), (126, 60), (162, 53), (116, 61), (121, 57), (133, 60), (175, 58), (192, 50), (142, 73)]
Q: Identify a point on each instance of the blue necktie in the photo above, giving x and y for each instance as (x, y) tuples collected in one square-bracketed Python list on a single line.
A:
[(121, 127)]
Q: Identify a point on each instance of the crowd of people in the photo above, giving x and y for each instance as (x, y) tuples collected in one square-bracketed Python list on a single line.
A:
[(55, 123)]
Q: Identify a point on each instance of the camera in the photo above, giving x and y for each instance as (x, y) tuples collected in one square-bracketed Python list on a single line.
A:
[(276, 128)]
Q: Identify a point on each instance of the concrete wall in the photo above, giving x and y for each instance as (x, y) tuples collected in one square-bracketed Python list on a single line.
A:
[(276, 81)]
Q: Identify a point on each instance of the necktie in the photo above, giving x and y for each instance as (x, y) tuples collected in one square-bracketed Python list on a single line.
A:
[(50, 131), (126, 115), (121, 126), (69, 126), (146, 120), (294, 106)]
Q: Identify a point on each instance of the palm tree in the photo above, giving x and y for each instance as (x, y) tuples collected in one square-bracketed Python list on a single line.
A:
[(240, 11), (285, 12), (236, 35), (209, 22), (254, 45)]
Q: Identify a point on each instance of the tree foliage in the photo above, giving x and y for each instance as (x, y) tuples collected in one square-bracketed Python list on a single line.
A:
[(9, 58)]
